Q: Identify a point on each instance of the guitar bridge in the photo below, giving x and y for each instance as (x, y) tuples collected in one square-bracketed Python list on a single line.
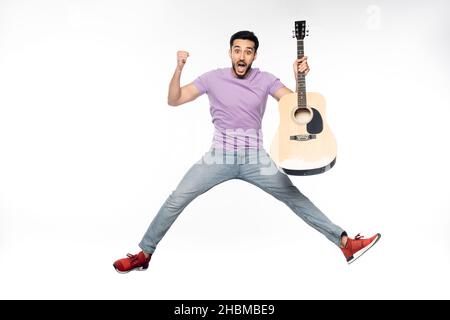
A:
[(303, 137)]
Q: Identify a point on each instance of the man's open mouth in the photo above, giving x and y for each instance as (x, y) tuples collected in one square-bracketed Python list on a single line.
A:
[(241, 66)]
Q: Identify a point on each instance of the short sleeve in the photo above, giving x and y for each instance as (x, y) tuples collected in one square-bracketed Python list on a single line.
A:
[(274, 84), (201, 83)]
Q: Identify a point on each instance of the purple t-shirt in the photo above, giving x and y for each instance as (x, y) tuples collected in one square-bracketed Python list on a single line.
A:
[(237, 105)]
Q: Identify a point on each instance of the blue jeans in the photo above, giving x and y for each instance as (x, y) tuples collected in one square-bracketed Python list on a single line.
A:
[(252, 165)]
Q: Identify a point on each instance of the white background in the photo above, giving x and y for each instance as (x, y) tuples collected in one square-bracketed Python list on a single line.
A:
[(89, 150)]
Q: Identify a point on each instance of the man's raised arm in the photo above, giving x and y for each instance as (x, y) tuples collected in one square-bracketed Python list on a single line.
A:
[(179, 95)]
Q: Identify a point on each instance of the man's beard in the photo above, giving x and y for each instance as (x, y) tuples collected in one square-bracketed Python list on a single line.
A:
[(246, 71)]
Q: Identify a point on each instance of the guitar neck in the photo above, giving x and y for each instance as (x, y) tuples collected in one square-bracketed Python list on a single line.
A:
[(301, 85)]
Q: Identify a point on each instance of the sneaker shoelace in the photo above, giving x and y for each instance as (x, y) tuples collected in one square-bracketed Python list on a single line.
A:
[(358, 236), (133, 257)]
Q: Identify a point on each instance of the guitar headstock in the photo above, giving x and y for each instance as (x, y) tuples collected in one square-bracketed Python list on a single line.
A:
[(300, 30)]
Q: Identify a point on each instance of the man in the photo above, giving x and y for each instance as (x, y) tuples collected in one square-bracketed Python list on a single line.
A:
[(238, 97)]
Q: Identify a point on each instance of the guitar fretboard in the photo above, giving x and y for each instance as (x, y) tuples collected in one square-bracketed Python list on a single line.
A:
[(301, 85)]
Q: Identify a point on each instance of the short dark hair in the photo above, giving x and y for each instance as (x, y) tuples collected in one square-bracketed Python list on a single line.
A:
[(245, 35)]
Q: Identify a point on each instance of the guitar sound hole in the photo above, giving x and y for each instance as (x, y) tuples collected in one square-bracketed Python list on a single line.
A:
[(303, 115)]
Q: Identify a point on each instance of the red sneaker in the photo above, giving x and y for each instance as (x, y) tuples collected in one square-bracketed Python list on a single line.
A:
[(355, 248), (133, 262)]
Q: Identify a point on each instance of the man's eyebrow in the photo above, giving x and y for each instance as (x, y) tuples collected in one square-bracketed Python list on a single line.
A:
[(236, 46)]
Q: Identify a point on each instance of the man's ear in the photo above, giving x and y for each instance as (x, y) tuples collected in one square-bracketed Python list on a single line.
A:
[(229, 53), (256, 54)]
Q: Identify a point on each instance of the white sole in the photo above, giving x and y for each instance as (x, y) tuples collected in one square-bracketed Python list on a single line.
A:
[(363, 250), (135, 269)]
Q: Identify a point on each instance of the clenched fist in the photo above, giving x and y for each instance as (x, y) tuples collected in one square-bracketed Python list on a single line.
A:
[(182, 58)]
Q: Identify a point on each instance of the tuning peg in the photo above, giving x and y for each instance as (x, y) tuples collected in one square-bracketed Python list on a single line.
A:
[(307, 32), (293, 34)]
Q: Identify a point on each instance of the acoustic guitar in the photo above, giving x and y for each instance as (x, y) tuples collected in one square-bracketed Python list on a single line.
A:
[(304, 144)]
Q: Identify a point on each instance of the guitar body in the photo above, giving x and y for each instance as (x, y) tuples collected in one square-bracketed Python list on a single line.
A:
[(304, 143)]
